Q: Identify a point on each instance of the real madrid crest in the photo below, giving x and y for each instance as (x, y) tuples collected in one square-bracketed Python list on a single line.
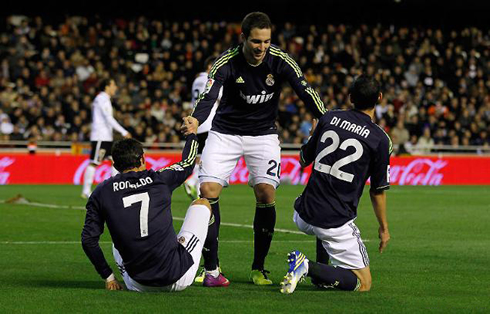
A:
[(270, 80)]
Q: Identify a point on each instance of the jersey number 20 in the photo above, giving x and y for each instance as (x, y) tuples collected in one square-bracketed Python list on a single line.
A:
[(144, 198), (334, 170)]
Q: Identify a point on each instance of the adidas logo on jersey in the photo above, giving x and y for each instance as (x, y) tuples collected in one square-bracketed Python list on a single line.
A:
[(239, 80), (256, 99)]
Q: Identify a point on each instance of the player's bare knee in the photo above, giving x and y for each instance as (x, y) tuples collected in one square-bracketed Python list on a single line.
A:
[(202, 201), (264, 193), (265, 199), (364, 276), (210, 190)]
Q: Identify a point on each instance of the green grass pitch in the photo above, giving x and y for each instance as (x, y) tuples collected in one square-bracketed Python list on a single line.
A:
[(438, 259)]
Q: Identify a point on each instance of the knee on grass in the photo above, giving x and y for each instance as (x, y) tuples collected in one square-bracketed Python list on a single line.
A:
[(364, 276), (365, 285)]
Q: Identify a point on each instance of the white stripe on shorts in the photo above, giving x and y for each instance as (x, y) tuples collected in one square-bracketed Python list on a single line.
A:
[(362, 247)]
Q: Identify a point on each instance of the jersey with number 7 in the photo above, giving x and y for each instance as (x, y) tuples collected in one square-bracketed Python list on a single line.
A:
[(136, 208), (346, 149)]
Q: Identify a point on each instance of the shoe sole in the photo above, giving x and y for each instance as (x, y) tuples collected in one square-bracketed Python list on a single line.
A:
[(286, 284)]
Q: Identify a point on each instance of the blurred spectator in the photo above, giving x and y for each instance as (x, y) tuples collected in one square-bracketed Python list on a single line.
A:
[(306, 126), (425, 143), (411, 146), (399, 136), (6, 127)]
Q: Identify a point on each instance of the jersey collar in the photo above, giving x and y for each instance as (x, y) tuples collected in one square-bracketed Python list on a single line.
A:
[(363, 115), (253, 65)]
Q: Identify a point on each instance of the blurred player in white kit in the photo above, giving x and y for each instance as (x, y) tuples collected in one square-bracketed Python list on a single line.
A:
[(101, 137)]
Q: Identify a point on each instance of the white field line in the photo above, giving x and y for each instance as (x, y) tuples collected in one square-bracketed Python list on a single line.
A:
[(34, 204), (175, 218), (45, 205)]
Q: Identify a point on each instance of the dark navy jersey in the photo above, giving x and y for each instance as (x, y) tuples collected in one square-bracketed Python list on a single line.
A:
[(346, 149), (136, 208), (249, 104)]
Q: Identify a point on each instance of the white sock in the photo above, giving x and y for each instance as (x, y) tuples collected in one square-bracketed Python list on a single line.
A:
[(214, 273), (88, 179), (114, 171)]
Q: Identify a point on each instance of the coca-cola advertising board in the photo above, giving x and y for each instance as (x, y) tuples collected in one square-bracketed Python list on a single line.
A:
[(69, 169)]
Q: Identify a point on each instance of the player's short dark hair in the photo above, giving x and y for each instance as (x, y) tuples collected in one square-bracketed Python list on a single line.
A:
[(255, 20), (364, 92), (104, 83), (127, 154)]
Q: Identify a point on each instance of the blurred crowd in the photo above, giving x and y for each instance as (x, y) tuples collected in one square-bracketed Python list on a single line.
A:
[(435, 82)]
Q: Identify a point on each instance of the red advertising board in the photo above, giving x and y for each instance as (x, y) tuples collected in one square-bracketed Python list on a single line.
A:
[(68, 169)]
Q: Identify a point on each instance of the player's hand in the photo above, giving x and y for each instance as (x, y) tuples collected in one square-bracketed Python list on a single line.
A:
[(314, 123), (113, 285), (384, 237), (189, 126), (128, 135)]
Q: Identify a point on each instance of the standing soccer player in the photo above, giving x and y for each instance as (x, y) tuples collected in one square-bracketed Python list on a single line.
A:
[(191, 186), (346, 148), (251, 75), (135, 205), (101, 135)]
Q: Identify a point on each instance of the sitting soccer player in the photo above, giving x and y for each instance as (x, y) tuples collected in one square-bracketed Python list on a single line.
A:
[(135, 204), (346, 148)]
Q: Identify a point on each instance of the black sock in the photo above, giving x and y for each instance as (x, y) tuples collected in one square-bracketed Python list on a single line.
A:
[(321, 257), (332, 277), (321, 253), (264, 222), (210, 250)]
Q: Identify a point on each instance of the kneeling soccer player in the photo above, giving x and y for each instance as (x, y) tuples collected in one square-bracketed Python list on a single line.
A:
[(135, 204), (347, 148)]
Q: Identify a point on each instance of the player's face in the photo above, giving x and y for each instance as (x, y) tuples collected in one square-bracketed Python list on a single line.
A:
[(112, 88), (257, 43)]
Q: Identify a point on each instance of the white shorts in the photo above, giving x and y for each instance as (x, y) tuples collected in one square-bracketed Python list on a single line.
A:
[(262, 155), (192, 236), (99, 151), (343, 244)]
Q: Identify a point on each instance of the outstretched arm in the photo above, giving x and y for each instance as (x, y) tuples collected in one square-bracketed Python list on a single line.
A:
[(308, 151), (93, 228), (106, 113), (177, 173), (298, 82), (378, 199), (217, 76)]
